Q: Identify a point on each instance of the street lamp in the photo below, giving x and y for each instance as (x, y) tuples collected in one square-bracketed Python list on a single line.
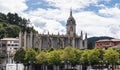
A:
[(107, 64), (102, 64), (63, 64), (16, 65), (67, 64), (80, 65), (29, 63)]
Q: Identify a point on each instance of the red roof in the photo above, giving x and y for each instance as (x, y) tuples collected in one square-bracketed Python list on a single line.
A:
[(115, 39), (103, 40)]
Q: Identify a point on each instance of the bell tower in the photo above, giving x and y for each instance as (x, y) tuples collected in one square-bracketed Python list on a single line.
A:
[(71, 25)]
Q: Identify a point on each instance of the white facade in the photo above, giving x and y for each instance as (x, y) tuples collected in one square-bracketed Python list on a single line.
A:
[(9, 46), (14, 66)]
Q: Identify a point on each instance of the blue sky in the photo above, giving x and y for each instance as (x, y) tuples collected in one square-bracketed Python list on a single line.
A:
[(94, 17)]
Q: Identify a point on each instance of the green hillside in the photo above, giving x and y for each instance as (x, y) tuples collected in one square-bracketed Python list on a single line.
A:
[(11, 24)]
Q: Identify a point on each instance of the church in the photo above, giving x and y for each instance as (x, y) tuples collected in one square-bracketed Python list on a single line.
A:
[(46, 41)]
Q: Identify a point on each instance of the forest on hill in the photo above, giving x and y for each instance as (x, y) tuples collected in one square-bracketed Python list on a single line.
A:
[(11, 24)]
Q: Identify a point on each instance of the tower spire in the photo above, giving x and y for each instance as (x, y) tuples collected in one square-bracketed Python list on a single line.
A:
[(71, 25), (70, 11)]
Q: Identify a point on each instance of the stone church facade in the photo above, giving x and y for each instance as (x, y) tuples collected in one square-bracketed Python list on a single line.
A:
[(46, 41)]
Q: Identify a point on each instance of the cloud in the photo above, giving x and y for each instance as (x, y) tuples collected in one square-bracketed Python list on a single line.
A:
[(113, 12), (45, 23), (97, 25), (13, 6), (54, 14), (103, 23), (75, 4), (88, 21)]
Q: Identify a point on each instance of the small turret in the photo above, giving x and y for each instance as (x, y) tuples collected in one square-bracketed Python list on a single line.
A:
[(85, 41), (58, 33), (86, 36), (48, 32), (81, 35)]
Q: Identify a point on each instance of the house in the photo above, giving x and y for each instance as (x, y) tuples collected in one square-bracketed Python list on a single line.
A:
[(8, 47), (106, 43)]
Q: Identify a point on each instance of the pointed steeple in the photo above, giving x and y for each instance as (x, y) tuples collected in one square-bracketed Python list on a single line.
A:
[(48, 32), (71, 12), (85, 41), (86, 36), (71, 19), (71, 25), (58, 33), (81, 34)]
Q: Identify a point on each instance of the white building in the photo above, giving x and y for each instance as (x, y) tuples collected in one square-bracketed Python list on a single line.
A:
[(8, 47)]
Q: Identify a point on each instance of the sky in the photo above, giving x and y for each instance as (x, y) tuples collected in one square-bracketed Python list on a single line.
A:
[(94, 17)]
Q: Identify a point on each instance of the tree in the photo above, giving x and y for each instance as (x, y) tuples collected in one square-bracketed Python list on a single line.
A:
[(77, 55), (50, 49), (84, 57), (54, 58), (7, 30), (2, 33), (118, 50), (42, 58), (19, 55), (90, 45), (111, 56), (12, 23), (12, 30), (94, 56), (30, 59), (30, 55), (2, 17), (68, 54)]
